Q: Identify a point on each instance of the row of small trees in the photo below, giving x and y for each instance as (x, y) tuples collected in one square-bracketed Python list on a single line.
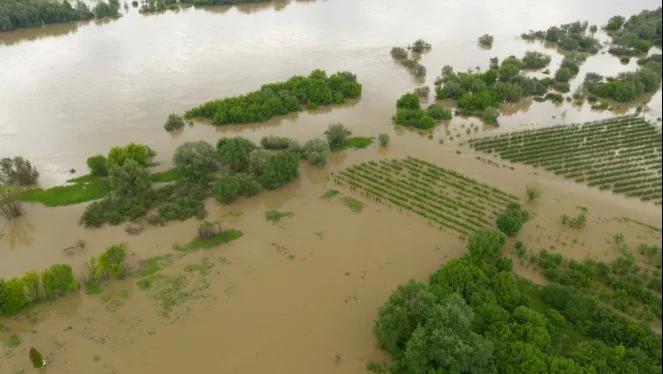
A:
[(15, 14)]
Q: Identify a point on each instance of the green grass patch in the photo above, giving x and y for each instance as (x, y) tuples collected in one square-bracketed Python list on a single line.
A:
[(274, 216), (79, 190), (218, 239), (154, 264), (169, 175), (330, 194), (358, 142), (355, 205), (203, 267)]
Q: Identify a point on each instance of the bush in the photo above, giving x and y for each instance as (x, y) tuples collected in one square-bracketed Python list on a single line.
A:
[(19, 14), (174, 122), (615, 23), (18, 171), (408, 101), (98, 165), (486, 40), (535, 60), (398, 53), (257, 160), (414, 118), (281, 98), (227, 189), (511, 220), (196, 159), (10, 203), (35, 356), (280, 143), (110, 265), (420, 46), (384, 139), (279, 169), (139, 153), (490, 115), (422, 91), (208, 230), (234, 152), (130, 180), (57, 280), (533, 192), (13, 297), (337, 135), (316, 152), (439, 112)]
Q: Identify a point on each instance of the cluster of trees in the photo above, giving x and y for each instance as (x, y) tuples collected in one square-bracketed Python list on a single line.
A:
[(15, 14), (478, 93), (475, 316), (511, 220), (486, 40), (627, 86), (281, 98), (534, 60), (410, 57), (637, 35), (409, 113), (18, 293), (152, 6), (15, 174), (570, 36), (174, 122)]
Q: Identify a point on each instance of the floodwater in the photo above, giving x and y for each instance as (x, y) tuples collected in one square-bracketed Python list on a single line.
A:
[(298, 296)]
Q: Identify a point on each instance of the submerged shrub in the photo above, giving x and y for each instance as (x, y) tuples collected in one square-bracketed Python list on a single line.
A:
[(10, 204), (130, 180), (420, 46), (279, 169), (439, 112), (196, 159), (316, 152), (227, 189), (384, 139), (533, 192), (58, 280), (486, 40), (174, 122), (398, 53), (511, 220), (109, 265), (408, 101), (279, 143), (138, 153), (35, 357), (257, 160), (207, 230), (18, 171), (337, 135), (234, 152), (535, 60), (98, 165)]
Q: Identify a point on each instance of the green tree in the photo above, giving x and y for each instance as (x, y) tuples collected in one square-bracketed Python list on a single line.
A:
[(196, 159), (337, 135), (227, 189), (138, 153), (408, 101), (130, 181), (511, 220), (279, 169), (57, 280), (234, 152), (17, 171), (316, 151), (98, 165)]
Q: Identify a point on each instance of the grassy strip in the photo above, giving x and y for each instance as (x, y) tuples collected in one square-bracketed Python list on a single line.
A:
[(169, 175), (355, 205), (218, 239), (274, 216), (358, 142)]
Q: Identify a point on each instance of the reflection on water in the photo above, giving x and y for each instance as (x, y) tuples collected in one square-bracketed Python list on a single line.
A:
[(18, 232)]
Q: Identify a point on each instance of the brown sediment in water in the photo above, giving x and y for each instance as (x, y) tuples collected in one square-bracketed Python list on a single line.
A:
[(298, 296)]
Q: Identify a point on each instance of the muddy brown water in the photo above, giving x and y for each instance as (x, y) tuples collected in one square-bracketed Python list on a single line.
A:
[(298, 296)]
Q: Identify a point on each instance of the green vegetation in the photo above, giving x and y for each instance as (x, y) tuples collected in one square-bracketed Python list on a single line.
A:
[(535, 60), (621, 283), (229, 187), (480, 94), (474, 315), (16, 14), (234, 152), (169, 175), (358, 142), (78, 190), (355, 205), (627, 87), (281, 98), (98, 165), (588, 153), (280, 143), (569, 68), (174, 122), (576, 222), (568, 37), (445, 198), (637, 35), (279, 169), (329, 194), (410, 62), (316, 152), (222, 237), (195, 160), (337, 135), (16, 294), (17, 171), (384, 139), (139, 153), (10, 202), (36, 358), (274, 216), (511, 219), (533, 192), (111, 264), (486, 40), (410, 114)]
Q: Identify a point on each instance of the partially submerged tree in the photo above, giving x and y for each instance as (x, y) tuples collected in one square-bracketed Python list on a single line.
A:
[(18, 171)]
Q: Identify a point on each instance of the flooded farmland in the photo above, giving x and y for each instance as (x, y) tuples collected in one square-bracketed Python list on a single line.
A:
[(299, 295)]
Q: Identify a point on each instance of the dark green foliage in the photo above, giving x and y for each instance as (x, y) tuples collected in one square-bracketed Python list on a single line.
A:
[(15, 14), (130, 180), (628, 86), (226, 189), (439, 113), (13, 297), (384, 139), (10, 201), (398, 53), (57, 280), (410, 114), (139, 153), (181, 201), (98, 165), (280, 143), (234, 152), (486, 40), (638, 34), (420, 46), (279, 169), (316, 151), (570, 37), (111, 264), (17, 171), (408, 101), (36, 358), (110, 9), (511, 220), (535, 60), (490, 115), (337, 135), (281, 98), (174, 122)]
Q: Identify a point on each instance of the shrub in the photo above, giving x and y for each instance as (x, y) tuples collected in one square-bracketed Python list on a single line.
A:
[(420, 46), (138, 153), (12, 296), (208, 230), (248, 184), (35, 356), (98, 165), (130, 180), (485, 245), (520, 249), (181, 201), (511, 220), (257, 160), (398, 53), (337, 135), (422, 91), (174, 122), (234, 152), (196, 159), (227, 189), (439, 112), (486, 40), (490, 115), (316, 152), (57, 280), (279, 169), (615, 23), (533, 192), (384, 139), (280, 143), (18, 171), (408, 101), (10, 205), (109, 265), (535, 60)]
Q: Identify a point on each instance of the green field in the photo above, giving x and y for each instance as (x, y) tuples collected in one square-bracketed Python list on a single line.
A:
[(444, 197), (621, 154)]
